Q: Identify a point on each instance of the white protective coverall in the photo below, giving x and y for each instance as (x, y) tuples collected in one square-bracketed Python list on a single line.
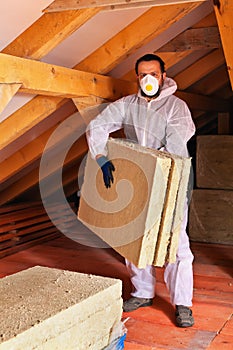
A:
[(163, 123)]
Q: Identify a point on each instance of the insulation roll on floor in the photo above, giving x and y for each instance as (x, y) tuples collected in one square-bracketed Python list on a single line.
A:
[(140, 215), (50, 309)]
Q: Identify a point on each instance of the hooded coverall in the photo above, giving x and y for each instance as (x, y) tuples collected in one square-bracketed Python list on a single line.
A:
[(163, 123)]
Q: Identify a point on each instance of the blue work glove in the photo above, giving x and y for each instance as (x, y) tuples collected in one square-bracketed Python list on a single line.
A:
[(107, 168)]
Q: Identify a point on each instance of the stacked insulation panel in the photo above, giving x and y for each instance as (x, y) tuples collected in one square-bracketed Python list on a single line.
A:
[(45, 308), (140, 216), (211, 206)]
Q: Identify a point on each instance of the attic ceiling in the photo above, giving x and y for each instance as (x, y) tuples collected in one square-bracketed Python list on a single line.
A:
[(60, 58)]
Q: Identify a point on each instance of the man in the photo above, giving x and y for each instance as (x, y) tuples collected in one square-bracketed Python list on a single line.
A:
[(154, 118)]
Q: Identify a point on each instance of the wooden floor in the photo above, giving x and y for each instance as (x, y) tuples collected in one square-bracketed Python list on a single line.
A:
[(152, 327)]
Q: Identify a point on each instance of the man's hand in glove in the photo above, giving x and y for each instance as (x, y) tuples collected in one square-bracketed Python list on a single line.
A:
[(107, 168)]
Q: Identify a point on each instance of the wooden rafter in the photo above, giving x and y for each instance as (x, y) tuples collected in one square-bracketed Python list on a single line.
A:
[(47, 79), (224, 15), (65, 5)]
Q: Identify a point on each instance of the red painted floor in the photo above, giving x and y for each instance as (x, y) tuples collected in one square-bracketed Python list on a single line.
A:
[(152, 327)]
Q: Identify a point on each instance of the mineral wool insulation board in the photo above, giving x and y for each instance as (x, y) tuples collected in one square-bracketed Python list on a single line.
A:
[(51, 309), (141, 214), (211, 218), (214, 162)]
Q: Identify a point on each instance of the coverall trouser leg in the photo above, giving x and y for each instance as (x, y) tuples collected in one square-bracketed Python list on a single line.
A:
[(178, 276)]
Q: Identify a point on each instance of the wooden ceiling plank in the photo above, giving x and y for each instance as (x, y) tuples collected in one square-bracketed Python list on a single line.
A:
[(142, 4), (224, 15), (7, 91), (47, 32), (65, 5), (194, 39), (199, 69), (51, 80), (61, 5)]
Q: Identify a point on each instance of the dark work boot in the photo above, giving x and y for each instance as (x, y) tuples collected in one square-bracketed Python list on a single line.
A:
[(184, 316), (134, 303)]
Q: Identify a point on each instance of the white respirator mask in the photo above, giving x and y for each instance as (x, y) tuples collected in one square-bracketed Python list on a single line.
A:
[(149, 85)]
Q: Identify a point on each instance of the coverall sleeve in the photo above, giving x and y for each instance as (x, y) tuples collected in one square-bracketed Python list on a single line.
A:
[(180, 128), (98, 130)]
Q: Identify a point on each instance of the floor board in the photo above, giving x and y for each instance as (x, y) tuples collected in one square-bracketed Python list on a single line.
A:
[(152, 327)]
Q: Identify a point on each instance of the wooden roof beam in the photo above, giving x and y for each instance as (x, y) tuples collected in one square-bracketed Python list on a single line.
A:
[(51, 80)]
